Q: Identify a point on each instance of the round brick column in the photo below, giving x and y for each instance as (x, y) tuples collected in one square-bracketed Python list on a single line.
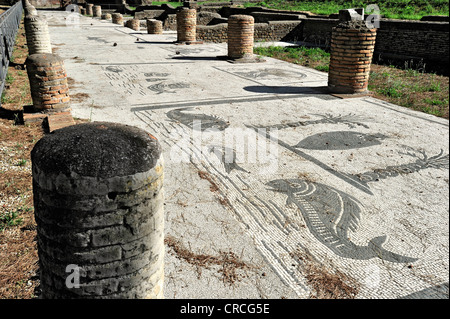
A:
[(117, 18), (97, 11), (89, 9), (106, 16), (241, 30), (38, 37), (186, 25), (352, 45), (98, 198), (133, 24), (48, 82), (154, 26)]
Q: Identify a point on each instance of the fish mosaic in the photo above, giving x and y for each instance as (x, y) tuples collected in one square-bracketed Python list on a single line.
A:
[(330, 215), (198, 122), (269, 73), (351, 120), (340, 140), (422, 161), (161, 87)]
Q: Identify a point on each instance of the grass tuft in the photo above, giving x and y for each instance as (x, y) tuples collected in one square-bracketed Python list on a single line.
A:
[(392, 9), (408, 87)]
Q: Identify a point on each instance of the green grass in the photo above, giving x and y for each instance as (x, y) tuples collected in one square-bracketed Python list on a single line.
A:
[(311, 57), (173, 4), (412, 88), (22, 162), (11, 219), (393, 9)]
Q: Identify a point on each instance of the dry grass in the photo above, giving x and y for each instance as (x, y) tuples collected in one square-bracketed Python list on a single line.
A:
[(229, 263), (407, 86), (424, 92), (214, 188), (17, 88), (325, 282), (18, 251)]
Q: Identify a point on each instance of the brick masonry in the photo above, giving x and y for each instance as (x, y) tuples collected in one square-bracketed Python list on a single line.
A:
[(352, 46), (241, 29), (396, 39), (97, 11), (89, 9), (154, 26), (186, 25), (106, 16), (98, 197), (117, 18), (48, 82), (133, 24)]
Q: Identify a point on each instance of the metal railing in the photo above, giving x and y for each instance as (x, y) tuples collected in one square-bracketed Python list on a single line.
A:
[(9, 24)]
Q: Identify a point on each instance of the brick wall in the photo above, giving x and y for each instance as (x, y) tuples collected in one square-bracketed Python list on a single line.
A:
[(428, 40)]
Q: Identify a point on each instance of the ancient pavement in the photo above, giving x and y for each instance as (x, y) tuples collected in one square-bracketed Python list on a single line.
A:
[(274, 188)]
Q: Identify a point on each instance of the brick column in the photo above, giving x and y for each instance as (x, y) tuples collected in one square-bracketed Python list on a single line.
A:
[(133, 24), (97, 11), (154, 26), (117, 18), (37, 34), (186, 25), (352, 45), (98, 198), (240, 36), (89, 9), (106, 16), (48, 82)]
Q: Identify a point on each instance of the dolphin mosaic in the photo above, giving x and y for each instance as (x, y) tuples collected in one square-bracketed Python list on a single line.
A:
[(330, 215), (351, 120), (198, 122), (227, 156)]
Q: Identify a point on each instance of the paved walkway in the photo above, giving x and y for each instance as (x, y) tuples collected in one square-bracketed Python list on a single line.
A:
[(274, 188)]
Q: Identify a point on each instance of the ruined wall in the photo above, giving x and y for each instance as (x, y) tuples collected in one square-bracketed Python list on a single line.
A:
[(213, 33), (277, 30), (272, 31), (46, 3), (397, 40), (428, 40)]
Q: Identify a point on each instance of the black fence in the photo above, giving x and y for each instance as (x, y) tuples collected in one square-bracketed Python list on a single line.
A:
[(9, 24)]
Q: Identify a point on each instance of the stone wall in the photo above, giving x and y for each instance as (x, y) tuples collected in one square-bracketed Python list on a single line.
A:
[(205, 18), (213, 33), (149, 14), (45, 3), (397, 40), (419, 41), (317, 31), (272, 31), (414, 39)]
